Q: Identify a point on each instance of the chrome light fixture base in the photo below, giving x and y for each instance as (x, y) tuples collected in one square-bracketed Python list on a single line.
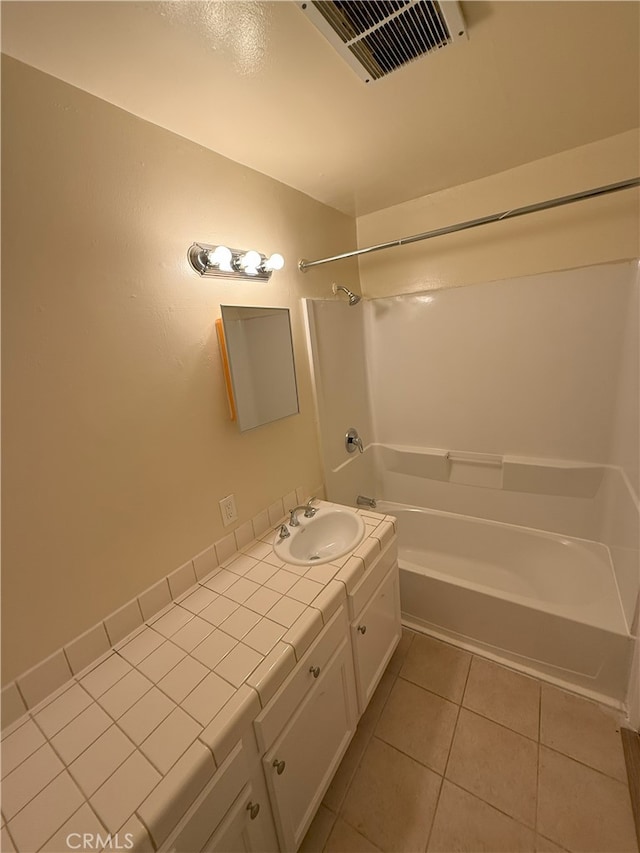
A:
[(199, 256)]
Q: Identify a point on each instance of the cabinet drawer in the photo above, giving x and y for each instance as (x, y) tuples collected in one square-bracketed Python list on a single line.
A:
[(372, 578), (248, 825), (375, 635), (271, 721)]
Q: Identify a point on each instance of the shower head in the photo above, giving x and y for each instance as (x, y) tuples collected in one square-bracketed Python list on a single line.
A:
[(353, 297)]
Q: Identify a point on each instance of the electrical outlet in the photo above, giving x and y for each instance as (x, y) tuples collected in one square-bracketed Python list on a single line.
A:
[(228, 510)]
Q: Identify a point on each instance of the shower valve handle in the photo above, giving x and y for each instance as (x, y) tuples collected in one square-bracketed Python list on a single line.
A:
[(352, 441)]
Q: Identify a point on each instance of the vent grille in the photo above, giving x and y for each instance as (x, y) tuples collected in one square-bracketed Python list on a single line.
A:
[(377, 37)]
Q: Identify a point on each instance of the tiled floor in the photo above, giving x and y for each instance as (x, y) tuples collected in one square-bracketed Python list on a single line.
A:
[(456, 753)]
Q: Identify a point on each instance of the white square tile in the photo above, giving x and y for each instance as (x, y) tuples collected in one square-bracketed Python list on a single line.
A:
[(28, 779), (212, 650), (124, 694), (162, 661), (218, 610), (368, 551), (181, 580), (257, 550), (264, 636), (172, 621), (193, 633), (105, 675), (322, 574), (282, 581), (81, 733), (332, 596), (205, 562), (6, 844), (225, 547), (140, 720), (162, 810), (171, 739), (19, 745), (240, 623), (198, 600), (221, 581), (116, 800), (238, 664), (137, 834), (229, 724), (272, 559), (13, 706), (208, 698), (286, 611), (290, 501), (45, 814), (260, 523), (270, 674), (351, 573), (305, 590), (84, 821), (240, 564), (261, 573), (276, 512), (244, 534), (87, 647), (55, 715), (145, 642), (241, 590), (125, 620), (304, 631), (301, 495), (96, 764), (384, 533), (263, 600), (154, 599), (41, 680), (182, 679)]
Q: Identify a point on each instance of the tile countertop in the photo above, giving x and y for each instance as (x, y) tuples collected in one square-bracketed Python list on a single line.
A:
[(127, 744)]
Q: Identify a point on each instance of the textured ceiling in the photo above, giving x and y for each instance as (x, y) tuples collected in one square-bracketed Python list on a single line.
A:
[(257, 83)]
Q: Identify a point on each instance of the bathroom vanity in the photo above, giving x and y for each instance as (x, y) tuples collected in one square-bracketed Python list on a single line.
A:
[(290, 658), (296, 742)]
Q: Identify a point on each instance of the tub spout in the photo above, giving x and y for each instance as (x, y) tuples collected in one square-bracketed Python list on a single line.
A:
[(363, 500)]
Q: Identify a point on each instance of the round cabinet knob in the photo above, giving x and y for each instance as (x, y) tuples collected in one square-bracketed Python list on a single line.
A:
[(254, 810), (279, 765), (362, 629), (315, 671)]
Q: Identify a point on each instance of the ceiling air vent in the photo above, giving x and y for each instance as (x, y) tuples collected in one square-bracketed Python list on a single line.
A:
[(377, 37)]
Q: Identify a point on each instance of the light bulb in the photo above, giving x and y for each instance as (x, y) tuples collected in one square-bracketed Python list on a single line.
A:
[(275, 262), (250, 261), (221, 258)]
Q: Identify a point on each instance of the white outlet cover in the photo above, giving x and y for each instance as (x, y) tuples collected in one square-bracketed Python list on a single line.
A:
[(228, 510)]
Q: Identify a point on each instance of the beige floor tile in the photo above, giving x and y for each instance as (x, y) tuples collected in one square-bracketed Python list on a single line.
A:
[(582, 730), (392, 799), (465, 823), (337, 790), (395, 664), (319, 831), (496, 764), (437, 667), (582, 809), (418, 723), (345, 839), (504, 696)]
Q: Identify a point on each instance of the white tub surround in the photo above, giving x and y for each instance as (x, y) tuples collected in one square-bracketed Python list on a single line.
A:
[(540, 601), (163, 740)]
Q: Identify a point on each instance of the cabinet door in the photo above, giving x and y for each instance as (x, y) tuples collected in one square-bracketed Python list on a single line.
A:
[(248, 825), (374, 635), (301, 763)]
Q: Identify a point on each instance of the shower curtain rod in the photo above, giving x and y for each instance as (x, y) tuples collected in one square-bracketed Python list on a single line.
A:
[(484, 220)]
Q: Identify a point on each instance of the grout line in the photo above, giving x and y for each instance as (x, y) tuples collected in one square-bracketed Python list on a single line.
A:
[(535, 826)]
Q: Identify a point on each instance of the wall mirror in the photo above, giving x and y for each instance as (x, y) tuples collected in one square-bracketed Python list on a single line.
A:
[(263, 374)]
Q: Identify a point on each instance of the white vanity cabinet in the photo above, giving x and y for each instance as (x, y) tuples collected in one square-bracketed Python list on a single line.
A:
[(305, 744), (375, 624)]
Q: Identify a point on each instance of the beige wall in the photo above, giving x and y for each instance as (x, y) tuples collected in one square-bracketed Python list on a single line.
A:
[(588, 232), (117, 442)]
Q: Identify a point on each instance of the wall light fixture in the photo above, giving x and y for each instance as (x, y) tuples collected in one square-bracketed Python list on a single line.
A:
[(222, 262)]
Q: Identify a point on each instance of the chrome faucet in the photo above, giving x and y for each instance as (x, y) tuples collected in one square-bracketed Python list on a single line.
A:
[(309, 512), (363, 500), (284, 531)]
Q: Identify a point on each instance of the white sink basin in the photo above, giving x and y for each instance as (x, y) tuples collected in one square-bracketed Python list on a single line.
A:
[(330, 534)]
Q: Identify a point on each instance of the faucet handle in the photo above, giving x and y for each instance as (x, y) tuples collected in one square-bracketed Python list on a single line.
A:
[(310, 511)]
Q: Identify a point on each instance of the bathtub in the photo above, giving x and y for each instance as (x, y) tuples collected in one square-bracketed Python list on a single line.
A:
[(545, 603)]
